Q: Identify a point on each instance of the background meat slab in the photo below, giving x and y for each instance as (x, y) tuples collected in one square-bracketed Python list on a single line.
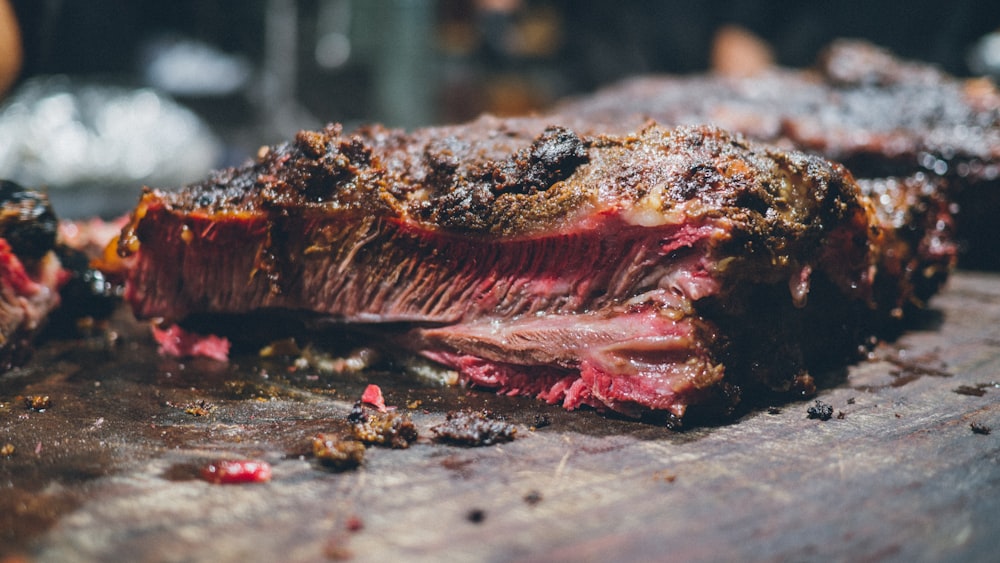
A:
[(109, 471)]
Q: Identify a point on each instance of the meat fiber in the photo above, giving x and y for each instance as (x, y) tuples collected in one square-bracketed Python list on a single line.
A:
[(30, 271), (639, 272), (884, 118)]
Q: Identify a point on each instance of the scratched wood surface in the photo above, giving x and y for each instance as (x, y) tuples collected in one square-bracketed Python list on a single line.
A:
[(109, 471)]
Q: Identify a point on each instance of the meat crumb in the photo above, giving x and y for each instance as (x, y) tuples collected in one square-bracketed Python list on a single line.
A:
[(229, 472), (337, 451), (533, 498), (373, 396), (820, 410), (391, 429), (665, 476), (972, 391), (540, 421), (38, 403), (7, 450), (980, 428), (773, 410), (197, 408), (179, 343), (473, 428)]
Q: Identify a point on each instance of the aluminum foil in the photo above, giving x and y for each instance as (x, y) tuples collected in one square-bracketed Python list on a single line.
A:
[(95, 141)]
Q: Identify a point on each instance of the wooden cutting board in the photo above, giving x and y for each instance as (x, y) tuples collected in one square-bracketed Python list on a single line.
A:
[(109, 470)]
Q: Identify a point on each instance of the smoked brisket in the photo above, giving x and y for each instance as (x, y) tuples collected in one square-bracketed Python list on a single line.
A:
[(596, 255), (636, 272), (886, 119)]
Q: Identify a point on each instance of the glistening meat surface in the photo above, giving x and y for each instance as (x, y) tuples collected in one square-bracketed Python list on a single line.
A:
[(641, 272)]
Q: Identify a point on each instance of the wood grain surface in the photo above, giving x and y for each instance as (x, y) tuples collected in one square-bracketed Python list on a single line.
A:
[(109, 472)]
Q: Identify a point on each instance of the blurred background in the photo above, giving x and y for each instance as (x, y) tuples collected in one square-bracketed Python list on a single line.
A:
[(110, 95)]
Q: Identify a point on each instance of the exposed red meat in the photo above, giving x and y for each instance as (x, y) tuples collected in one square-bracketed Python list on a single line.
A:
[(180, 343), (373, 396), (235, 472)]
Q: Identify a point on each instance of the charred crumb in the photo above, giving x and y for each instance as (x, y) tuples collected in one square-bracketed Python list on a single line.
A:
[(978, 428), (533, 498), (840, 415), (196, 408), (820, 410), (473, 428), (673, 422), (199, 410), (969, 390), (773, 410), (38, 403), (977, 390), (476, 515), (665, 476), (850, 401), (540, 421), (338, 451), (359, 413), (387, 429), (372, 427)]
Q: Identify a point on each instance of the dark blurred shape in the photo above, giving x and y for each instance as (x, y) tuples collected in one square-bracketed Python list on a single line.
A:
[(87, 293)]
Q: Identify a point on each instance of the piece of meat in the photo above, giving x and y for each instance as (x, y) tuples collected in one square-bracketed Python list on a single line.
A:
[(373, 397), (610, 271), (30, 271), (880, 116), (87, 294), (919, 249), (179, 343)]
